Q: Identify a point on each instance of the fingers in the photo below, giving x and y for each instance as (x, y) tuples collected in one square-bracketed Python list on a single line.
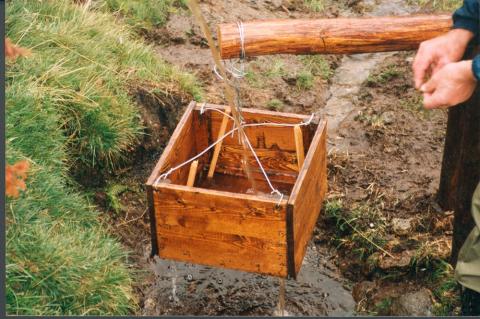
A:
[(432, 98), (430, 86), (433, 101), (421, 64)]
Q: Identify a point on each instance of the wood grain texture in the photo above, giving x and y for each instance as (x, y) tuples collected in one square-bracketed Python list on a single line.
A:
[(331, 36), (180, 147), (218, 147), (221, 229), (192, 173), (306, 199), (271, 137), (228, 181), (298, 136)]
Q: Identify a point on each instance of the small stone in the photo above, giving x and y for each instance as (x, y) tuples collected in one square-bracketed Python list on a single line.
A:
[(388, 117), (398, 262), (149, 304), (418, 303), (362, 290), (402, 226)]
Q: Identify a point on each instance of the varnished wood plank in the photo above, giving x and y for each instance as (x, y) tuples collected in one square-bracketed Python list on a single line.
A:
[(299, 146), (238, 255), (271, 159), (237, 182), (272, 137), (192, 173), (176, 150), (200, 212), (216, 227), (218, 147), (331, 36), (307, 196)]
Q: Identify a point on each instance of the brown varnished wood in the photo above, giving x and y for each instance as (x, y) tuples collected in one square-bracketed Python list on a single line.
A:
[(331, 36), (180, 147), (271, 137), (219, 222), (271, 159), (236, 182), (216, 151), (298, 135), (306, 199), (221, 229), (192, 173)]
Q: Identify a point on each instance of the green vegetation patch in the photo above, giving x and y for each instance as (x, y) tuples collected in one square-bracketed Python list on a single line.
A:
[(144, 14), (68, 106), (438, 5)]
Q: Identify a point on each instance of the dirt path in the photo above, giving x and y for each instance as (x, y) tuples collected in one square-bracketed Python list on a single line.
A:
[(384, 155)]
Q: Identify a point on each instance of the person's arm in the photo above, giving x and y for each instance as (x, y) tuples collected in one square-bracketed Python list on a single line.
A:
[(468, 18)]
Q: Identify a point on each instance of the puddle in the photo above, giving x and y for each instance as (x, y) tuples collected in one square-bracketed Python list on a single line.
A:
[(201, 290)]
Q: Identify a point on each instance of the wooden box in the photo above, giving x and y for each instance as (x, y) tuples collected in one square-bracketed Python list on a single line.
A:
[(219, 222)]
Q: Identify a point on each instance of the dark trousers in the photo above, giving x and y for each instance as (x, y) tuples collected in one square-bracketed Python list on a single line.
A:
[(470, 302)]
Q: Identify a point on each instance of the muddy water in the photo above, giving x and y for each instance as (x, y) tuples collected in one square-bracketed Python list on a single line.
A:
[(201, 290)]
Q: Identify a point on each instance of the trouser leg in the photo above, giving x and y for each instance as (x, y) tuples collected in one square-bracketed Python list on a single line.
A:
[(470, 302)]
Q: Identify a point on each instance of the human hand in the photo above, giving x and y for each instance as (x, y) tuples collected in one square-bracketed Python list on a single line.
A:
[(451, 85), (434, 54)]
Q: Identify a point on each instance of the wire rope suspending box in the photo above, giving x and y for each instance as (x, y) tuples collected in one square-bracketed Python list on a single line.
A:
[(220, 220)]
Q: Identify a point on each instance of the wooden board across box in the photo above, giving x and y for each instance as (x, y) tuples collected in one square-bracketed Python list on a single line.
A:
[(219, 221)]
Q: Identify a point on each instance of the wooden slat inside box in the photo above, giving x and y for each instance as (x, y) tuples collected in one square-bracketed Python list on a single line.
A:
[(221, 222)]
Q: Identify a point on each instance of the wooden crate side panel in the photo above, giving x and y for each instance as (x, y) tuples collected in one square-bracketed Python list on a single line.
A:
[(271, 137), (281, 166), (221, 229), (306, 199), (179, 148)]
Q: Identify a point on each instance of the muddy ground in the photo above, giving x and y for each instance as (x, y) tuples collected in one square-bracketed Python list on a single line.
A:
[(384, 162)]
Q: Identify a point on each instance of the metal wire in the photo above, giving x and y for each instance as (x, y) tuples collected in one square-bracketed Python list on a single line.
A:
[(232, 132)]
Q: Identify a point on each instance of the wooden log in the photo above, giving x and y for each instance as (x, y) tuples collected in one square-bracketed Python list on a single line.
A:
[(460, 173), (330, 36), (299, 145)]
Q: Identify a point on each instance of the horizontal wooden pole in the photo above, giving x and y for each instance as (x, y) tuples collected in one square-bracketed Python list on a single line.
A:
[(331, 36)]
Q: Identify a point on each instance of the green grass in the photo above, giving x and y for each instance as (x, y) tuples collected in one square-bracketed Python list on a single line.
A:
[(315, 5), (276, 69), (387, 74), (68, 106), (305, 80), (438, 5), (361, 230), (275, 105), (113, 191), (318, 66), (144, 14)]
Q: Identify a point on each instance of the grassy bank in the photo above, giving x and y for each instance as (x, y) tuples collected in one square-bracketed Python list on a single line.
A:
[(68, 106)]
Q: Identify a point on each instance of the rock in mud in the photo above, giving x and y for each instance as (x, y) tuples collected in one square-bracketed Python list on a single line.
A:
[(418, 303), (388, 117), (363, 290), (401, 261), (402, 226)]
